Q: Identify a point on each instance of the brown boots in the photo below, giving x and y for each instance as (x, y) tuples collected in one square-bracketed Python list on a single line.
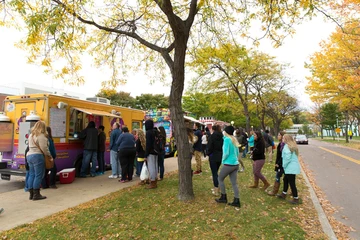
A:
[(275, 189), (37, 195), (153, 184), (266, 185), (255, 185)]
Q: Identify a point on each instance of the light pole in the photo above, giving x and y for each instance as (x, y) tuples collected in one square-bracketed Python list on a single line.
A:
[(232, 123)]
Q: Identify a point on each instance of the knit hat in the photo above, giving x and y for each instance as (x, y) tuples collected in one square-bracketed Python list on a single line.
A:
[(229, 130)]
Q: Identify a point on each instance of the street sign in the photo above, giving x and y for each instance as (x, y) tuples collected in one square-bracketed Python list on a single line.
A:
[(337, 130)]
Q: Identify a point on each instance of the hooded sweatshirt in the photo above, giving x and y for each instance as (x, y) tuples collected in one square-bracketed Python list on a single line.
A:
[(215, 146), (150, 138)]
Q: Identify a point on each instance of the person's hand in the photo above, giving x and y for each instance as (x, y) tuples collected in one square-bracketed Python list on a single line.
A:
[(276, 165)]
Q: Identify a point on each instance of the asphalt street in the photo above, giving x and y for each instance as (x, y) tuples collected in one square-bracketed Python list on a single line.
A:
[(336, 171)]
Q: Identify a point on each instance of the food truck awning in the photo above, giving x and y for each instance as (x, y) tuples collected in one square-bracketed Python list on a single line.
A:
[(191, 119), (96, 112)]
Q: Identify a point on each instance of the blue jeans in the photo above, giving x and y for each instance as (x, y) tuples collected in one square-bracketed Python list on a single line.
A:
[(214, 166), (26, 188), (161, 159), (36, 170), (115, 164), (139, 166), (278, 176), (89, 155)]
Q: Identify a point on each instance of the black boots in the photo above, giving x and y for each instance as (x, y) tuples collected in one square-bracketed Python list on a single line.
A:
[(31, 191), (222, 199), (235, 203), (37, 195)]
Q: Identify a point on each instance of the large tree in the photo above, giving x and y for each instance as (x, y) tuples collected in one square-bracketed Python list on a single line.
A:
[(117, 98), (116, 32)]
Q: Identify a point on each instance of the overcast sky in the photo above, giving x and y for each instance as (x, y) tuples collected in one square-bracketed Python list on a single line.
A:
[(296, 51)]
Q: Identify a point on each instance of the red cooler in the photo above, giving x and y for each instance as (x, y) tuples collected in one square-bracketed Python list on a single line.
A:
[(67, 175)]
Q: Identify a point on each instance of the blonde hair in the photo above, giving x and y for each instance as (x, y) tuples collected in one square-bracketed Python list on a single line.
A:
[(39, 128), (141, 137), (289, 140), (233, 139)]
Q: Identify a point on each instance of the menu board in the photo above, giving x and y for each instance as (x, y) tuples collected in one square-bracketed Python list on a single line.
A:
[(58, 122)]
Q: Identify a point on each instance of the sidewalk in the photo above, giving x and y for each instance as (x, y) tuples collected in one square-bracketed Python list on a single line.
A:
[(20, 210)]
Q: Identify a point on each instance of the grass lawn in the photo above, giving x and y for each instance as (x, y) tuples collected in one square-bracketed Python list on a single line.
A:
[(138, 213)]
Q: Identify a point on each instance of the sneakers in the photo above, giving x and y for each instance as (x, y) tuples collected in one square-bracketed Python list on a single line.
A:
[(241, 170), (197, 172), (114, 176)]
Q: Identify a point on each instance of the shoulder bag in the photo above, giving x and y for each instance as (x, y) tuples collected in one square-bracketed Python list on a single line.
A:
[(49, 162)]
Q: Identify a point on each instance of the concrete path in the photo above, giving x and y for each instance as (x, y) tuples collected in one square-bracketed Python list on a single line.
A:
[(20, 210)]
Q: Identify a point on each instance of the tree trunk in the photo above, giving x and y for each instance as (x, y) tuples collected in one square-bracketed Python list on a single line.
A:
[(247, 117), (177, 116)]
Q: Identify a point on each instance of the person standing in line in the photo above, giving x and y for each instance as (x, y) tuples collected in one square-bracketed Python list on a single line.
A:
[(151, 157), (214, 152), (278, 165), (114, 161), (204, 142), (161, 156), (230, 166), (140, 152), (258, 157), (197, 150), (251, 141), (90, 136), (126, 154), (53, 170), (268, 144), (38, 149), (101, 150), (291, 167)]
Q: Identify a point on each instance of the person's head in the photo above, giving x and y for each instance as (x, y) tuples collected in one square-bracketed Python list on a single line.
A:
[(48, 129), (190, 134), (237, 132), (258, 136), (289, 140), (267, 131), (101, 128), (162, 131), (125, 129), (39, 128), (149, 124), (91, 124), (280, 135), (116, 125), (141, 137), (213, 128), (228, 132), (206, 129)]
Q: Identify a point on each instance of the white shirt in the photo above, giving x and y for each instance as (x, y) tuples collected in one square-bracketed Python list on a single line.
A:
[(203, 139)]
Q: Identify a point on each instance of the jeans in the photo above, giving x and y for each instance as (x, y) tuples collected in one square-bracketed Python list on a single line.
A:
[(278, 176), (89, 155), (161, 159), (126, 157), (26, 188), (214, 166), (139, 166), (101, 161), (231, 171), (152, 164), (203, 147), (245, 151), (36, 170), (115, 164)]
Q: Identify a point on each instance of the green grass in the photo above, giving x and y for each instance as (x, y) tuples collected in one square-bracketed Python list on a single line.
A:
[(351, 144), (138, 213)]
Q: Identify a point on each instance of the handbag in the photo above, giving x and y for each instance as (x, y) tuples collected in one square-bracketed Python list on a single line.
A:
[(49, 162), (144, 175)]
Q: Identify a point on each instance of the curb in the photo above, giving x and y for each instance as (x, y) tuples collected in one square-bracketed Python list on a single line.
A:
[(322, 216)]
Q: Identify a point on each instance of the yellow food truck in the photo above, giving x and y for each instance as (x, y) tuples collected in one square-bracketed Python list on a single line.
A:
[(67, 117)]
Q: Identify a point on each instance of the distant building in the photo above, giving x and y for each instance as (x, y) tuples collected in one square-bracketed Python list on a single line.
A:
[(210, 121)]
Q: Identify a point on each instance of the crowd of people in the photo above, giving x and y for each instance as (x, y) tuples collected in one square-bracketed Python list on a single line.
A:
[(226, 149)]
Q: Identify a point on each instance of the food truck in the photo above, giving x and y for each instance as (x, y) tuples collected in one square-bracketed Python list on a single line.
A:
[(67, 117)]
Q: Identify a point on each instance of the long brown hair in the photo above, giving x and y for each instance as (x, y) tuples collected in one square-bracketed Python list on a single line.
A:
[(48, 129), (141, 137), (289, 140)]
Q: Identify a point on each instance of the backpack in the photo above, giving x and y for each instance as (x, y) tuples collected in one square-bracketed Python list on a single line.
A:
[(158, 142)]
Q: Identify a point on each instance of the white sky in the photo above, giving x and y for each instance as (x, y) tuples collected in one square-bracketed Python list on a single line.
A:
[(296, 50)]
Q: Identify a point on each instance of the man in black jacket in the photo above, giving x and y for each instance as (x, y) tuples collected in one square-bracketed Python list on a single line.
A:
[(90, 136), (151, 157)]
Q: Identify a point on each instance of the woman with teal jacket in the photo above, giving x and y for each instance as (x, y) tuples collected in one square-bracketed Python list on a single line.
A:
[(230, 166), (290, 163)]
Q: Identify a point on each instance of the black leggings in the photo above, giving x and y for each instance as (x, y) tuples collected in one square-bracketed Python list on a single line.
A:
[(290, 179)]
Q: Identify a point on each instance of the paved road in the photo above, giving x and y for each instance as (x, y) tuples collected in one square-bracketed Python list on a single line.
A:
[(337, 172)]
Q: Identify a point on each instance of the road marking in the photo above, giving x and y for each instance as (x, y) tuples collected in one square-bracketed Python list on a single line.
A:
[(340, 155)]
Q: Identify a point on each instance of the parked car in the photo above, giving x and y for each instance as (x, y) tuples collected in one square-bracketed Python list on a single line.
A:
[(301, 139)]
